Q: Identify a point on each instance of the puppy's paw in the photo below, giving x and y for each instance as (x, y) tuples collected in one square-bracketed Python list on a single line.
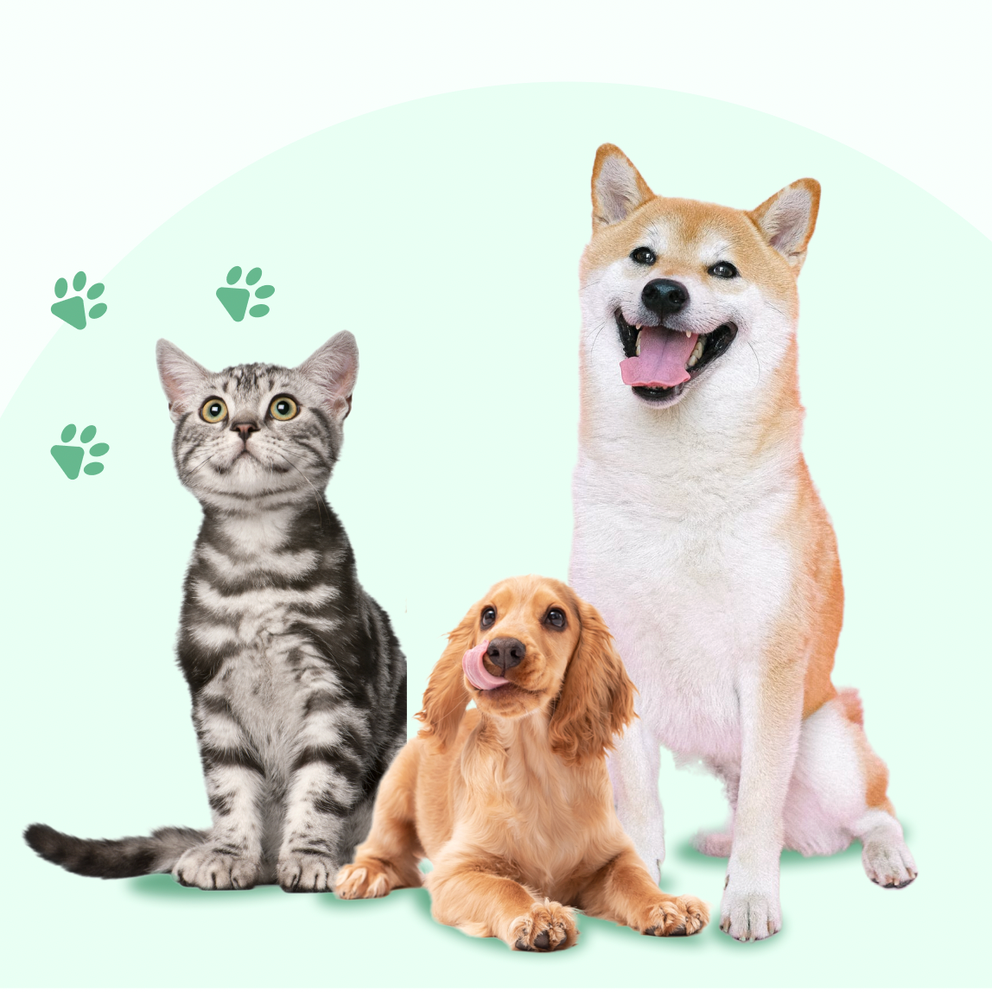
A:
[(209, 867), (715, 843), (750, 915), (365, 880), (675, 916), (887, 862), (305, 871), (548, 926)]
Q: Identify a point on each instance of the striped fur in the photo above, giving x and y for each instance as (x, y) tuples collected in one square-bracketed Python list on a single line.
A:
[(297, 680)]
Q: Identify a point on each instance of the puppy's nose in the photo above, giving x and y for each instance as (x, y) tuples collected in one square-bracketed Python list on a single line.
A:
[(664, 296), (507, 652), (245, 428)]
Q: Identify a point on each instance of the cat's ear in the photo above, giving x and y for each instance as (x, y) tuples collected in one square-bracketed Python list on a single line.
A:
[(185, 382), (333, 368)]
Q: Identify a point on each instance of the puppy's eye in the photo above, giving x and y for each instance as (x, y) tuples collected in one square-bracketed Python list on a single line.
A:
[(644, 256), (283, 408), (488, 617), (213, 411), (556, 618), (723, 270)]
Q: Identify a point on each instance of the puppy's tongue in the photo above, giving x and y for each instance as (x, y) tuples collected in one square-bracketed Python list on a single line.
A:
[(662, 358), (476, 672)]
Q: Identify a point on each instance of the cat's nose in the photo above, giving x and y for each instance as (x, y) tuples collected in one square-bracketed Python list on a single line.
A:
[(245, 428)]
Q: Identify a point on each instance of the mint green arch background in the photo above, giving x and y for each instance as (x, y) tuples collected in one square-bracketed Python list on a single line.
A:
[(445, 234)]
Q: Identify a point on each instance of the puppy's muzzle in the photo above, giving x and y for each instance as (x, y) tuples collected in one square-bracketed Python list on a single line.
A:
[(506, 652)]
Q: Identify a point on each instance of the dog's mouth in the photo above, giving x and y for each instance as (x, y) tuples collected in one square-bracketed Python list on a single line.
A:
[(660, 361)]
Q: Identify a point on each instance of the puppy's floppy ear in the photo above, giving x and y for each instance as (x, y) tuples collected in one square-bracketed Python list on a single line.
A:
[(597, 697), (787, 219), (447, 695), (617, 187)]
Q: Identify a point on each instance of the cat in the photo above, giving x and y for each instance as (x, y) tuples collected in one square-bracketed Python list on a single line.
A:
[(297, 680)]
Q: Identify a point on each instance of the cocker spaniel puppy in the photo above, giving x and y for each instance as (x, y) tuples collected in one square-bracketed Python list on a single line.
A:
[(511, 800)]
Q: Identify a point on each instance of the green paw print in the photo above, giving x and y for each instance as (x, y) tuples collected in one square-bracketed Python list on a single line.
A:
[(235, 298), (70, 456), (73, 310)]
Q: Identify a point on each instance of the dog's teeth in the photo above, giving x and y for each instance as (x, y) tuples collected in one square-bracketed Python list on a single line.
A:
[(697, 353), (688, 334), (637, 344), (637, 327)]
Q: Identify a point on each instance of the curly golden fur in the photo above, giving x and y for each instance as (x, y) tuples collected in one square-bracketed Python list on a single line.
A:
[(511, 800)]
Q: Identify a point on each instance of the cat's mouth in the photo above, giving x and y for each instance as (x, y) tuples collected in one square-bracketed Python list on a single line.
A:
[(269, 467)]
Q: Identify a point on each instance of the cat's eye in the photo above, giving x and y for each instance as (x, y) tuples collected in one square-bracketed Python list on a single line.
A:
[(213, 411), (644, 256), (723, 270), (488, 617), (284, 408), (556, 618)]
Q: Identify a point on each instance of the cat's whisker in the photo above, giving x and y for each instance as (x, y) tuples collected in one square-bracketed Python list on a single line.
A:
[(190, 472), (319, 495)]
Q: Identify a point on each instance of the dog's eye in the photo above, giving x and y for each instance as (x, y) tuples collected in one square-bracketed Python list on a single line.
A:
[(556, 618), (488, 617), (644, 256), (723, 270)]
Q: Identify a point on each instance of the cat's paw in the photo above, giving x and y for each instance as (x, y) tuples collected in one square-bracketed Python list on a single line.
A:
[(303, 871), (209, 867)]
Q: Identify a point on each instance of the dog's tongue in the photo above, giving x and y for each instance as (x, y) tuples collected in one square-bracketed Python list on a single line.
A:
[(476, 672), (662, 358)]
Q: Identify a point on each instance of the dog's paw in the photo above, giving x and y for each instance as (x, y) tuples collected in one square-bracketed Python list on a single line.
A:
[(548, 926), (207, 867), (887, 862), (715, 843), (675, 916), (363, 881), (302, 871), (749, 915)]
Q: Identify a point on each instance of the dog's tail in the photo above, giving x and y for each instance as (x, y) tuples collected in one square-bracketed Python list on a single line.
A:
[(122, 858)]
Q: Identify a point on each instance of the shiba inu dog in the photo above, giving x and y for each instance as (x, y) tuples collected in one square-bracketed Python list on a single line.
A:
[(703, 542)]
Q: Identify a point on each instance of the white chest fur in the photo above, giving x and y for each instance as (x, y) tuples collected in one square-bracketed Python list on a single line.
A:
[(690, 568)]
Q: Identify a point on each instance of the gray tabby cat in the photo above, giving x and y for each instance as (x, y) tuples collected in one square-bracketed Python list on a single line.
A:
[(298, 683)]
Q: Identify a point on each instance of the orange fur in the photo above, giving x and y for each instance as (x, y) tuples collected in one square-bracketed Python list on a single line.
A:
[(511, 800)]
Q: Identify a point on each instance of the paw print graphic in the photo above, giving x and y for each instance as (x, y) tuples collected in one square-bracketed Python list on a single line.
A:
[(73, 309), (235, 299), (70, 456)]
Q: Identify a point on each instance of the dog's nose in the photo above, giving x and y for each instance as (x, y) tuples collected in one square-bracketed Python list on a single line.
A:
[(664, 296), (507, 652), (245, 428)]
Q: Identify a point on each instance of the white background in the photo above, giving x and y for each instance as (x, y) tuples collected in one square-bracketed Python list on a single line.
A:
[(115, 115)]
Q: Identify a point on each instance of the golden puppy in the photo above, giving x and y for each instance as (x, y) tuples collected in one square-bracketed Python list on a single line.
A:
[(511, 800)]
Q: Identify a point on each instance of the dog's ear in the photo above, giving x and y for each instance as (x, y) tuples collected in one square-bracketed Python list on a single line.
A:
[(786, 220), (617, 187), (447, 695), (597, 697)]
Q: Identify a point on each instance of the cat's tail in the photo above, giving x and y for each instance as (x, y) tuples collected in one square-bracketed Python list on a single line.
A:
[(122, 858)]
